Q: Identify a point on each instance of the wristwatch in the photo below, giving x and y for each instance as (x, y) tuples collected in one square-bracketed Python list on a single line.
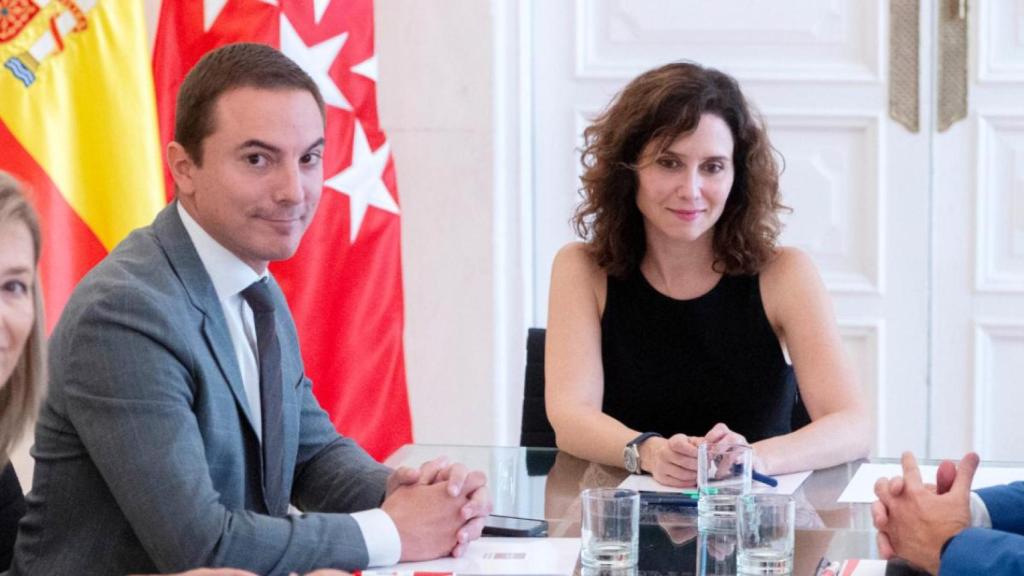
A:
[(631, 455)]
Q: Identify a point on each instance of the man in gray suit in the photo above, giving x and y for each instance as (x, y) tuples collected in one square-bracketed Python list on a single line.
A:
[(180, 424)]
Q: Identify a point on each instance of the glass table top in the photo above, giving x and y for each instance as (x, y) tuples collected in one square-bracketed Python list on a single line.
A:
[(545, 483)]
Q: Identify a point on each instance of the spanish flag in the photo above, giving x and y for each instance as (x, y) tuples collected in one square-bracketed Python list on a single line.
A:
[(78, 124)]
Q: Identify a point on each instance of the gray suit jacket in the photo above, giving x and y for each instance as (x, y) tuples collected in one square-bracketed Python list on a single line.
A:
[(146, 457)]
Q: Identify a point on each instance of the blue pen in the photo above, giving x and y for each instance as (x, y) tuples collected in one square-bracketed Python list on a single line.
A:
[(754, 474), (763, 479)]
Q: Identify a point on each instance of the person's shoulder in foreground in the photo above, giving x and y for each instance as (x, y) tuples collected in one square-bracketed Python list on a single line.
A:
[(946, 529), (151, 449)]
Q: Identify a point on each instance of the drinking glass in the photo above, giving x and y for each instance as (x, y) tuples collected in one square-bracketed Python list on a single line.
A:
[(765, 532), (723, 473), (610, 527)]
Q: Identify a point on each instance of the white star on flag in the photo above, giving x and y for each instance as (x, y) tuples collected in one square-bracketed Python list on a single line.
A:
[(316, 61), (211, 9), (367, 68), (362, 182), (319, 7)]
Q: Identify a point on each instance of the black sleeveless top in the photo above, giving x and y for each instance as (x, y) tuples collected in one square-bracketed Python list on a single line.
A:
[(681, 366)]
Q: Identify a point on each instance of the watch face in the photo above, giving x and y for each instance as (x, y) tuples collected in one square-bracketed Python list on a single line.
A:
[(632, 457)]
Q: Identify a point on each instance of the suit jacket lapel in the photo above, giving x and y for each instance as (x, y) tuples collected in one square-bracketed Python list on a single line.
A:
[(184, 259)]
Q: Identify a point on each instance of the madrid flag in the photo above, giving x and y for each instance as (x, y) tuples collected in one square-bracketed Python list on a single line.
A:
[(344, 286), (78, 125)]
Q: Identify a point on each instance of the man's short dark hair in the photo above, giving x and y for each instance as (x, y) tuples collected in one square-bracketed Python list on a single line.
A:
[(242, 65)]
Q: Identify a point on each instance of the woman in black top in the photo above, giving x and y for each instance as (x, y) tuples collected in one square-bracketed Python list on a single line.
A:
[(21, 347), (672, 316)]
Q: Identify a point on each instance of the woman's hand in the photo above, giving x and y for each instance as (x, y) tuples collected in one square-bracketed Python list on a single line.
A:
[(721, 434), (672, 461)]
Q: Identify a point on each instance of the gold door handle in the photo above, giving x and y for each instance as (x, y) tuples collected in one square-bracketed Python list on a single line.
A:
[(952, 73), (904, 37)]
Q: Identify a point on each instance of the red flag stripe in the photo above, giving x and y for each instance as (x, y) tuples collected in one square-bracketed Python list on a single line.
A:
[(60, 268)]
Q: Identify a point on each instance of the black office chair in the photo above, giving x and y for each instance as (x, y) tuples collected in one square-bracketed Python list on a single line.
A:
[(799, 417), (536, 430)]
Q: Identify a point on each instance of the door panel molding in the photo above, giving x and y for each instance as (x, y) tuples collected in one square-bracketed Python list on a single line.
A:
[(810, 41)]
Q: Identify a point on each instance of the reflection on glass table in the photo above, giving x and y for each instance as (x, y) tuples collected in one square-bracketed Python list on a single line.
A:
[(546, 484)]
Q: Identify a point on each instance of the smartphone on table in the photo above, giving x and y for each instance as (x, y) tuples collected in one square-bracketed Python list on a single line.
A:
[(497, 525)]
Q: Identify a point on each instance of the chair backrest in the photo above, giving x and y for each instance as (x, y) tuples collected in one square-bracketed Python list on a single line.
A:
[(799, 417), (536, 430)]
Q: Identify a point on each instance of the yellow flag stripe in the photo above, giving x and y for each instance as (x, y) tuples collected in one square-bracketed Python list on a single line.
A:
[(89, 117)]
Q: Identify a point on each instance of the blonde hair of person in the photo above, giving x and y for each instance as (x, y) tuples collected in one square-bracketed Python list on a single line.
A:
[(26, 386)]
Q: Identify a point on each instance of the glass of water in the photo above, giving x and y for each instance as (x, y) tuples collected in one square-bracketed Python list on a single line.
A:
[(610, 527), (723, 473), (765, 531), (716, 552)]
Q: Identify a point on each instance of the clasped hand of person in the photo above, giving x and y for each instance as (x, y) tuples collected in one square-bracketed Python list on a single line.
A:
[(673, 461), (915, 519), (438, 508)]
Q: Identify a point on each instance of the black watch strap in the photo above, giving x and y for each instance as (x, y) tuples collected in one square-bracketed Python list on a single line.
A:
[(631, 455), (640, 439)]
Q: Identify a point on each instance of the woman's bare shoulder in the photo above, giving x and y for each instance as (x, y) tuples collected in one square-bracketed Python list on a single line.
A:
[(576, 259), (788, 266), (789, 282), (575, 273)]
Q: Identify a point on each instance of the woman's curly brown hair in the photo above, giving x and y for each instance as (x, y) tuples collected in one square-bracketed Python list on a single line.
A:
[(659, 106)]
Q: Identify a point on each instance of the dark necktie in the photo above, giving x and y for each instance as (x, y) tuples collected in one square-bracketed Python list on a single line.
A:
[(257, 295)]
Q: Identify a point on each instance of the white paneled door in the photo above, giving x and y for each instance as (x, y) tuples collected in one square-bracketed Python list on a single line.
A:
[(978, 327), (857, 181)]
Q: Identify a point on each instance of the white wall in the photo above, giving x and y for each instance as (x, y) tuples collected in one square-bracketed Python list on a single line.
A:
[(435, 94)]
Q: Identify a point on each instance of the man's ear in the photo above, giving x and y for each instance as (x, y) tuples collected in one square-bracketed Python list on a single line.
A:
[(182, 168)]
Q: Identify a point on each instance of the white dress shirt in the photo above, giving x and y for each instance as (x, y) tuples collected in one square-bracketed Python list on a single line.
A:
[(230, 276), (979, 512)]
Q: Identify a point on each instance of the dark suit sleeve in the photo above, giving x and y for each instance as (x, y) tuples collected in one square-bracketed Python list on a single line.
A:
[(995, 551), (983, 552), (1005, 506), (128, 376), (332, 472), (12, 508)]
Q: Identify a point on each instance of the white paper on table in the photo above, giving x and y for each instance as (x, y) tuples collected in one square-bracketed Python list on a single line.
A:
[(501, 556), (788, 484), (864, 567), (862, 486)]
